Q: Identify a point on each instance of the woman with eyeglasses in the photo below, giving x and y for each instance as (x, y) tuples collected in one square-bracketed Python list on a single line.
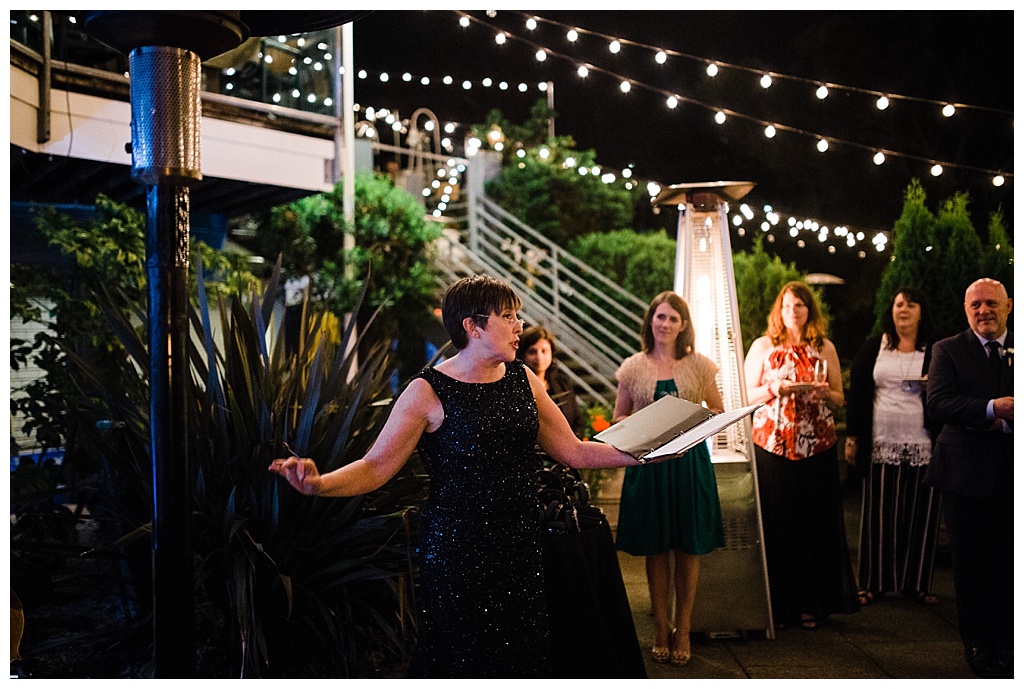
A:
[(670, 512), (476, 418)]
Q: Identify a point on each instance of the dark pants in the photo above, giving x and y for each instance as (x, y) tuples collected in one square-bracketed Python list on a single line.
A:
[(981, 544)]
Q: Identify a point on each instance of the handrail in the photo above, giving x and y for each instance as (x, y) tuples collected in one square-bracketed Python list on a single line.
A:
[(596, 321)]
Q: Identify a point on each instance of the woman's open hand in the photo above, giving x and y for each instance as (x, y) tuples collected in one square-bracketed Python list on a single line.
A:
[(300, 472)]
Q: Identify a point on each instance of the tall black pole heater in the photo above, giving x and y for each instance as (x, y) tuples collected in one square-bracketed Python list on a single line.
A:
[(165, 50)]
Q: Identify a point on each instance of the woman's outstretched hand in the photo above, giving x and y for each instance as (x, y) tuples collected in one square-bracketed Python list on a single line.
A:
[(300, 472)]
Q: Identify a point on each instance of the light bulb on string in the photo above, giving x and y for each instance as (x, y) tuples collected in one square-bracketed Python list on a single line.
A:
[(660, 57), (879, 158), (822, 145), (486, 83), (769, 131), (624, 87), (672, 102), (447, 80), (998, 181), (406, 77), (614, 47), (766, 81), (948, 110), (720, 117), (583, 71), (531, 23), (712, 69), (541, 56), (467, 85), (936, 170), (425, 81), (464, 22), (822, 92), (572, 35), (523, 88), (500, 39), (882, 103)]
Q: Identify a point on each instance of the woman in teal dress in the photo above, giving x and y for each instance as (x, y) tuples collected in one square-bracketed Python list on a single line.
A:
[(669, 511)]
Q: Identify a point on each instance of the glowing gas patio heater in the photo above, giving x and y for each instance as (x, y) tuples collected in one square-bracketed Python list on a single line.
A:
[(732, 596)]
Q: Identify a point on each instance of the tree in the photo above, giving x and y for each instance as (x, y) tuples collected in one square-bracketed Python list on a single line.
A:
[(541, 181), (392, 251), (941, 254), (913, 239), (643, 264), (997, 254), (959, 263)]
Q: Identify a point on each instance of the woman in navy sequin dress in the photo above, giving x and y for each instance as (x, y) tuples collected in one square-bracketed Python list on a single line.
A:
[(476, 418)]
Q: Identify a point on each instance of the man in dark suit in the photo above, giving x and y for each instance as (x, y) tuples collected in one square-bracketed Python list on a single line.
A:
[(970, 392)]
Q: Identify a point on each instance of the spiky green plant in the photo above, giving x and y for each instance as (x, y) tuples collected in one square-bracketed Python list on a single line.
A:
[(287, 586)]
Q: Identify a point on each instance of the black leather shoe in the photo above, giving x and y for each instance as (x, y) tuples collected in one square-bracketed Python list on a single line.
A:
[(982, 665)]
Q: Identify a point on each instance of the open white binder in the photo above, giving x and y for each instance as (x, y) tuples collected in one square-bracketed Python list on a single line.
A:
[(668, 428)]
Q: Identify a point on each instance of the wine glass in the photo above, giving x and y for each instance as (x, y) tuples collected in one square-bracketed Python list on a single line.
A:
[(820, 371)]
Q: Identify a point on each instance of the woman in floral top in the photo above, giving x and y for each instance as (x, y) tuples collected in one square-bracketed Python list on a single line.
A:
[(809, 571)]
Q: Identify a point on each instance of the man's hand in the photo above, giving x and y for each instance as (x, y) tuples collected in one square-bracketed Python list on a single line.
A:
[(1002, 407), (300, 472)]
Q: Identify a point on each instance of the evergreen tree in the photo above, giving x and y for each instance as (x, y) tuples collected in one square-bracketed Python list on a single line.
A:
[(997, 254), (959, 264), (914, 253)]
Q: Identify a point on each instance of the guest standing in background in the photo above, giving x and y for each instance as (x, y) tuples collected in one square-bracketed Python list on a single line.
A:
[(889, 441), (970, 392), (537, 349), (794, 371), (669, 511)]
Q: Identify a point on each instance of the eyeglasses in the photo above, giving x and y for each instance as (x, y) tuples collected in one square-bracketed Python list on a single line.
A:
[(509, 318)]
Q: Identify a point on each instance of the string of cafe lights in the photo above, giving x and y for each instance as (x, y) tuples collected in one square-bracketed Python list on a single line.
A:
[(377, 121), (771, 222), (720, 114)]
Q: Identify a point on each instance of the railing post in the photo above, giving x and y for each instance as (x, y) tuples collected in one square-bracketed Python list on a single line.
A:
[(473, 196)]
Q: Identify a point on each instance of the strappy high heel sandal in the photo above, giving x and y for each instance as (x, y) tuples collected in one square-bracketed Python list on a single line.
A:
[(679, 657), (661, 653)]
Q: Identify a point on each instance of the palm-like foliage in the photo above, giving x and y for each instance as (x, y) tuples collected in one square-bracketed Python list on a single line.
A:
[(286, 585)]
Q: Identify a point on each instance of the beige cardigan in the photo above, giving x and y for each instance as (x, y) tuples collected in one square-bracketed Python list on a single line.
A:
[(694, 376)]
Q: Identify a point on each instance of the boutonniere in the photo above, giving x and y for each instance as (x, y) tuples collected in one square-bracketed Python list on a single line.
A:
[(1009, 356)]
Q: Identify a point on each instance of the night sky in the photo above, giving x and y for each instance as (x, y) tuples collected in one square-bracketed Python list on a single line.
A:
[(958, 56)]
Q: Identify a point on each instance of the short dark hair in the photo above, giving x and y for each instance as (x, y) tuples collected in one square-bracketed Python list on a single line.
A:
[(925, 329), (475, 297), (685, 339)]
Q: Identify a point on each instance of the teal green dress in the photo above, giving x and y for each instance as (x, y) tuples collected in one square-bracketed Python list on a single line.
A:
[(671, 505)]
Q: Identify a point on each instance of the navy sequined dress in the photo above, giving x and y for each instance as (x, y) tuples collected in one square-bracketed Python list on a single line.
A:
[(481, 571)]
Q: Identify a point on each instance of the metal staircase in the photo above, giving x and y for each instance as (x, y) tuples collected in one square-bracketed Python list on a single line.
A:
[(596, 322)]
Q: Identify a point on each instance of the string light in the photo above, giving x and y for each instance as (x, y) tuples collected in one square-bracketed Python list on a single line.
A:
[(766, 81), (712, 68), (822, 92)]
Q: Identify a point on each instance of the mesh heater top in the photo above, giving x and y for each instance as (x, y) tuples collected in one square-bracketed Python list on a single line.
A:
[(166, 115)]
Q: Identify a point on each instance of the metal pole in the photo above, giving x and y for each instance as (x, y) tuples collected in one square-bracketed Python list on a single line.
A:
[(551, 106), (45, 82), (166, 113)]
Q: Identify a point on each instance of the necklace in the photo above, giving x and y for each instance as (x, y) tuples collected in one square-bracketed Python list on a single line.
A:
[(907, 385)]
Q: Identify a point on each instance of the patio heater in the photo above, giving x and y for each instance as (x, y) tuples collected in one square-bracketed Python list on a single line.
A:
[(165, 49), (732, 596)]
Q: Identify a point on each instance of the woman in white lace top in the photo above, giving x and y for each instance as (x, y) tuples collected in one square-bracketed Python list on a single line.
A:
[(888, 437)]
